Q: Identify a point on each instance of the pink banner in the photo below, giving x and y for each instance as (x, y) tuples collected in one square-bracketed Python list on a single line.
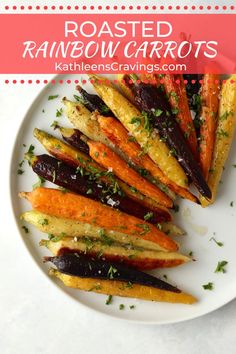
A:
[(105, 43)]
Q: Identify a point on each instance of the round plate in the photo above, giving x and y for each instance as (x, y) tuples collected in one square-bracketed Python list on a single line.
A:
[(201, 225)]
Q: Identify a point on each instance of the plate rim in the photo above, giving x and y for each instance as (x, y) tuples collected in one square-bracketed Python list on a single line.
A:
[(40, 267)]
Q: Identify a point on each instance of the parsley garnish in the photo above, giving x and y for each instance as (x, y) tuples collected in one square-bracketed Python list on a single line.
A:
[(89, 191), (220, 244), (158, 112), (20, 171), (122, 306), (111, 272), (109, 300), (220, 267), (25, 229), (52, 97), (208, 286), (132, 307), (40, 182), (43, 221), (176, 208), (59, 112), (148, 216), (232, 204), (136, 120), (54, 238)]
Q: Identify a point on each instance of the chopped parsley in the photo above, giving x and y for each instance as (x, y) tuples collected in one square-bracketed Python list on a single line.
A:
[(20, 171), (175, 110), (221, 267), (111, 272), (190, 254), (59, 112), (109, 300), (158, 112), (220, 244), (122, 306), (52, 97), (89, 191), (25, 229), (43, 222), (232, 204), (79, 99), (136, 120), (144, 227), (54, 238), (54, 124), (176, 208), (208, 286), (143, 172), (148, 216), (222, 133), (31, 149), (132, 307), (225, 115), (40, 182)]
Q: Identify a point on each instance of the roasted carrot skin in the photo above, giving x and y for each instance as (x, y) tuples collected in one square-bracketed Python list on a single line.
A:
[(108, 158), (87, 267), (76, 207), (179, 103), (82, 182), (73, 137), (134, 262), (94, 102), (210, 103), (116, 133), (153, 101)]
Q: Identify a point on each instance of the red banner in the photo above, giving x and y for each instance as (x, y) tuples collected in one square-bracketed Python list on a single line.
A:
[(105, 43)]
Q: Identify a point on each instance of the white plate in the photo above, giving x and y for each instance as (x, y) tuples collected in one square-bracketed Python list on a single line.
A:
[(200, 224)]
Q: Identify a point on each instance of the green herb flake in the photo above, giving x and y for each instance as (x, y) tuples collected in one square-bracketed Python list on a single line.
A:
[(31, 149), (221, 267), (190, 254), (208, 286), (148, 216), (175, 110), (220, 244), (158, 112), (132, 307), (122, 306), (222, 133), (50, 98), (25, 229), (20, 171), (176, 208), (78, 98), (59, 112), (232, 204), (89, 191), (43, 222), (136, 121), (111, 272), (54, 124), (40, 182), (54, 238), (109, 300)]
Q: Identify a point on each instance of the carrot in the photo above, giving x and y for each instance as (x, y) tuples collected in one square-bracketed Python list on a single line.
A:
[(72, 206), (179, 103), (118, 135), (106, 157), (210, 103)]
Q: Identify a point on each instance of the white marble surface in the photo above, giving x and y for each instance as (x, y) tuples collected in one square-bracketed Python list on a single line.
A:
[(37, 318)]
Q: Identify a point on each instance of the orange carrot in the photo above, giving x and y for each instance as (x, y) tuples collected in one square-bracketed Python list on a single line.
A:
[(179, 102), (72, 206), (106, 157), (210, 103), (116, 133)]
